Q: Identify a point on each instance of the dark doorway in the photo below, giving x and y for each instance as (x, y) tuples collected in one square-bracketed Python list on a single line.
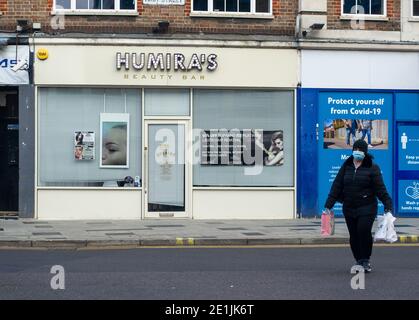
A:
[(9, 151)]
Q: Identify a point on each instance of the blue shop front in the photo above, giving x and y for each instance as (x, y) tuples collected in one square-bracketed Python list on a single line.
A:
[(331, 118)]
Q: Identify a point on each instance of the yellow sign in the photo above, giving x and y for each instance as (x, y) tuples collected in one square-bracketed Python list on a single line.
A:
[(42, 54)]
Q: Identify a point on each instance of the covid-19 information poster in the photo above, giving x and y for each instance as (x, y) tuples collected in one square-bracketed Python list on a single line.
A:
[(408, 164), (409, 148), (345, 117)]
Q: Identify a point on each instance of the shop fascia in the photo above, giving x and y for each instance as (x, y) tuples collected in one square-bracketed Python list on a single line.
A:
[(168, 61)]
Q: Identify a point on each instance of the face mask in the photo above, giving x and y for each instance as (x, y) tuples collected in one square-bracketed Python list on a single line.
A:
[(358, 155)]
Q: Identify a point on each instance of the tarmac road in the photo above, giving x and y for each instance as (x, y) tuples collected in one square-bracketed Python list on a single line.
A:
[(234, 273)]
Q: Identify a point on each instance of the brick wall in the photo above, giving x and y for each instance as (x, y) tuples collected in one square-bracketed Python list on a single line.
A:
[(285, 12), (393, 14), (38, 11), (3, 6)]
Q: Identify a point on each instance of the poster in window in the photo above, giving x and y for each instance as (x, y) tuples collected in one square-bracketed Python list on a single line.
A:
[(342, 133), (114, 140), (246, 147), (273, 142), (84, 145)]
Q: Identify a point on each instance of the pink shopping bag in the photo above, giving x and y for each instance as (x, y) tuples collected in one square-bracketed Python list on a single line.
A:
[(328, 223)]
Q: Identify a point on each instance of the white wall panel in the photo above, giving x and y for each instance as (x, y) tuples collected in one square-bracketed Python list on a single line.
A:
[(360, 69), (89, 204), (243, 204)]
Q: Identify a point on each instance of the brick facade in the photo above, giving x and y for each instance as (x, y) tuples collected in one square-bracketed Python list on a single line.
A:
[(335, 23), (283, 23), (3, 6), (179, 17)]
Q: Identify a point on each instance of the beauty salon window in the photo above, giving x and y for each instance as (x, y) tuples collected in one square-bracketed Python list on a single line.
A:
[(259, 128), (89, 137), (167, 102)]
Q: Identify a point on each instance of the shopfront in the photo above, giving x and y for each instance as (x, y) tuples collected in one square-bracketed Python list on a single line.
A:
[(16, 116), (352, 100), (146, 131)]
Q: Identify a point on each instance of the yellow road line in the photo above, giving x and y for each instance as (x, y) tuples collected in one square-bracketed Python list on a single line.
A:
[(185, 241)]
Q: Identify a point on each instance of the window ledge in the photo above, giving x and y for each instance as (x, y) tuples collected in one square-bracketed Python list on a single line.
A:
[(363, 17), (95, 12), (413, 19), (91, 188), (232, 15)]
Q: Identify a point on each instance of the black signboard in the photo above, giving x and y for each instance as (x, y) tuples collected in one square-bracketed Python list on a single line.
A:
[(244, 147)]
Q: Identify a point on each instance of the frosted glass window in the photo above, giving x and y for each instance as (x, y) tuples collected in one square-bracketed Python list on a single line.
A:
[(271, 111), (166, 102), (63, 113), (166, 180)]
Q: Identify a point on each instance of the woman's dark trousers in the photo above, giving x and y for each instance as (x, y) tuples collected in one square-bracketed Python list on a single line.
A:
[(360, 235)]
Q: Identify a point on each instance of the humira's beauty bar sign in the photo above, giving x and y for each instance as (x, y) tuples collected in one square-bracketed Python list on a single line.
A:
[(165, 62)]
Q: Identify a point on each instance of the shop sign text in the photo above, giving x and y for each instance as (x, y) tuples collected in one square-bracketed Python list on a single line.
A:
[(166, 62)]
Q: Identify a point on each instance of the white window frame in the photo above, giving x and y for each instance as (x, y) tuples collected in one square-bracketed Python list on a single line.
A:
[(411, 12), (252, 13), (365, 16), (75, 11)]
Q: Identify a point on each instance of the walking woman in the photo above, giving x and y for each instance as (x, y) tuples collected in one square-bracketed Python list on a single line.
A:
[(357, 185)]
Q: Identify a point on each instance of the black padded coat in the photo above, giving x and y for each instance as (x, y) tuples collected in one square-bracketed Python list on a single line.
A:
[(358, 189)]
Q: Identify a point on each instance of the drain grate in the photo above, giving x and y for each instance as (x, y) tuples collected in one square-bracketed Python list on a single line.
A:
[(110, 230), (46, 233), (34, 222), (253, 233), (121, 234), (165, 226)]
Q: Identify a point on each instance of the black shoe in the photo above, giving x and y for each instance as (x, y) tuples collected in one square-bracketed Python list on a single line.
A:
[(367, 266), (357, 267)]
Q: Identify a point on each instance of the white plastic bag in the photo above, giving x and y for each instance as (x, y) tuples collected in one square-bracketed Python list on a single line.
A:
[(380, 233), (391, 235), (385, 230)]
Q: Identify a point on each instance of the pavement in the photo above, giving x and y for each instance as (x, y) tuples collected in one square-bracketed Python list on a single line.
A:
[(30, 233)]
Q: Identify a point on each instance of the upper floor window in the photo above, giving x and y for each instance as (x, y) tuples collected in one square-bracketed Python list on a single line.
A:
[(415, 8), (233, 6), (86, 5), (364, 7)]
